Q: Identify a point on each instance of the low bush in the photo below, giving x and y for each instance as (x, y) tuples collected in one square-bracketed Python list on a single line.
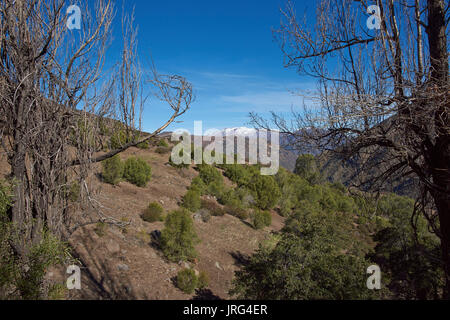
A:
[(238, 173), (210, 174), (163, 143), (203, 280), (237, 212), (153, 212), (203, 214), (198, 185), (216, 189), (143, 145), (213, 207), (265, 190), (187, 281), (261, 219), (191, 200), (112, 170), (137, 171), (230, 198), (178, 238)]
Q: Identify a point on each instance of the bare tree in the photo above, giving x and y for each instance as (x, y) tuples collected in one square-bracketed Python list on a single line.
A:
[(53, 96), (383, 94)]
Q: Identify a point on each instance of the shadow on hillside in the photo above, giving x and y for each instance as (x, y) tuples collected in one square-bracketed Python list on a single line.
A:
[(248, 224), (205, 294), (98, 282), (240, 259)]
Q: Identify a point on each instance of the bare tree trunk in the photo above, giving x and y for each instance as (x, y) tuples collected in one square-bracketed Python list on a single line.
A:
[(441, 156), (442, 202), (18, 210)]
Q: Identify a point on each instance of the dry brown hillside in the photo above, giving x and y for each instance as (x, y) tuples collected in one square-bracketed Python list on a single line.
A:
[(122, 264)]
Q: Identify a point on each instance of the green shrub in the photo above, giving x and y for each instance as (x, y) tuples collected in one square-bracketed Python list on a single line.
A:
[(198, 185), (5, 199), (203, 280), (237, 198), (74, 191), (209, 174), (230, 199), (216, 189), (143, 145), (100, 229), (319, 257), (137, 171), (261, 219), (191, 200), (153, 212), (237, 212), (238, 173), (213, 207), (178, 238), (118, 139), (307, 168), (266, 191), (57, 291), (163, 143), (187, 280), (20, 279), (112, 170)]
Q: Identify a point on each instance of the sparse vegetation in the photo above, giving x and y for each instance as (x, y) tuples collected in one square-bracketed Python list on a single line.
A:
[(162, 150), (379, 123), (204, 215), (74, 191), (100, 229), (213, 207)]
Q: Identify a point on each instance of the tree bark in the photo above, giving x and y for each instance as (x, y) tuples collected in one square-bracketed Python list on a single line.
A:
[(440, 160), (441, 177)]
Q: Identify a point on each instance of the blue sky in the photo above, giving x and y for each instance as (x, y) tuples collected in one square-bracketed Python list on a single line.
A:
[(225, 49)]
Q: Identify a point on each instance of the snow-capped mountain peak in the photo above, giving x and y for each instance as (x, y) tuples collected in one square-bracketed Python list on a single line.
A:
[(235, 131)]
